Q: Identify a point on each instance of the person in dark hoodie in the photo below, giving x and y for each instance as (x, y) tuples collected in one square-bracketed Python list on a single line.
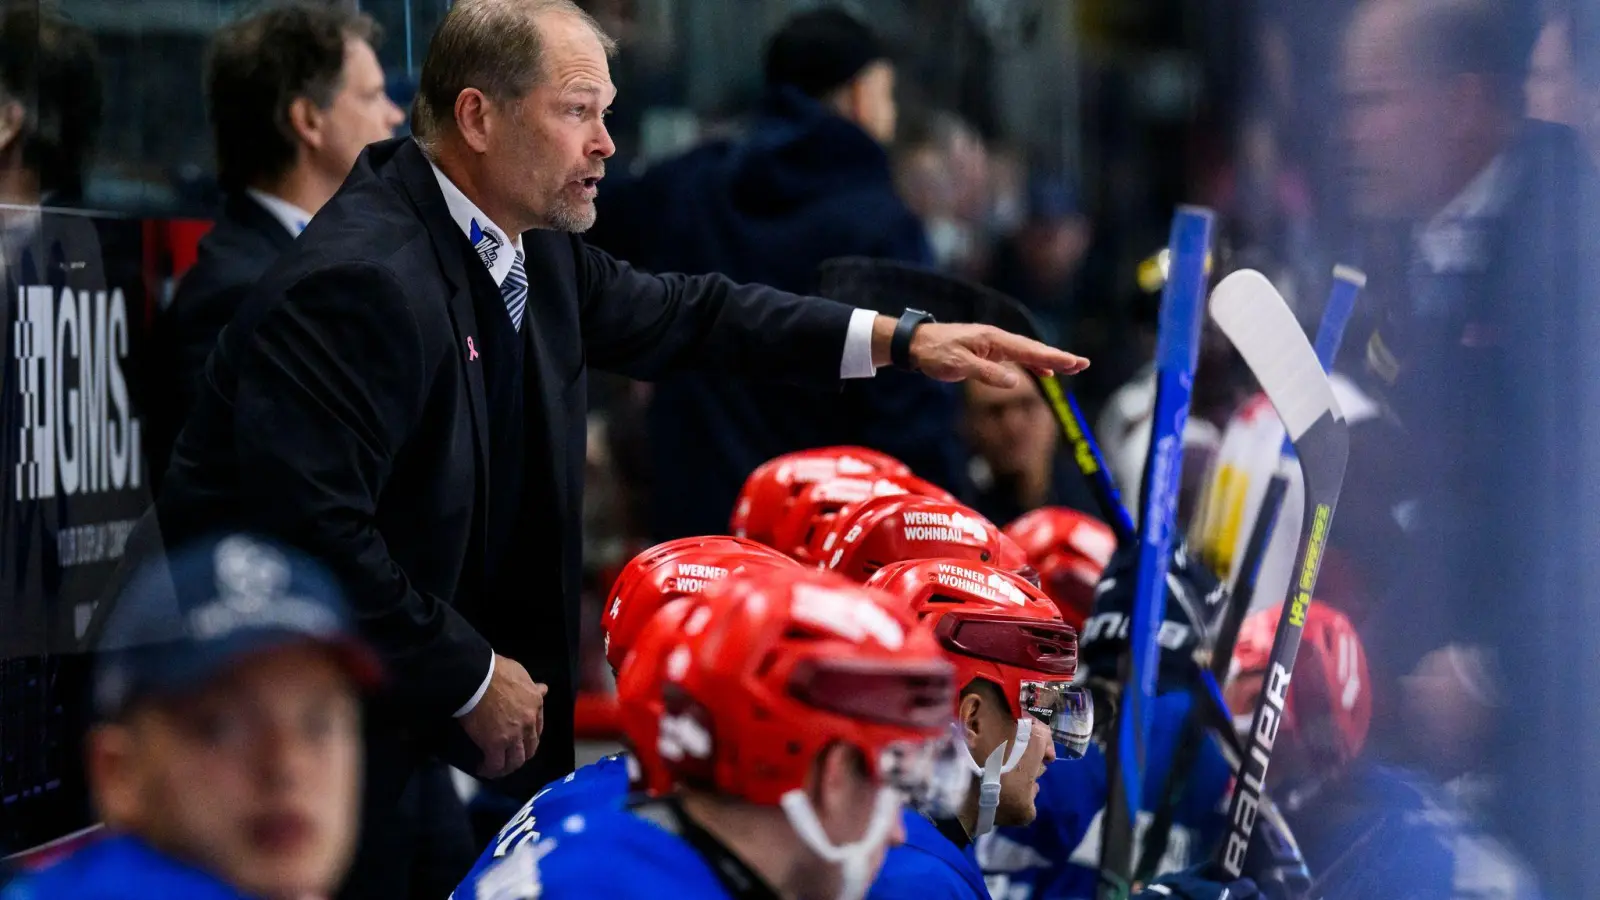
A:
[(810, 181)]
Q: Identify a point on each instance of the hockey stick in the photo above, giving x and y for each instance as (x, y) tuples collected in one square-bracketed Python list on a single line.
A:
[(1249, 310), (889, 287), (1347, 284), (1177, 352)]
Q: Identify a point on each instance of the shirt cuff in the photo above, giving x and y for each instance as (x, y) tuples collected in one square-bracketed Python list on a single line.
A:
[(472, 704), (857, 361)]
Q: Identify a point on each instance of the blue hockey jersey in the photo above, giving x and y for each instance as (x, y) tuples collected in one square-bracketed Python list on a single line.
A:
[(928, 867), (119, 868), (610, 853), (602, 784), (1056, 857), (1385, 831)]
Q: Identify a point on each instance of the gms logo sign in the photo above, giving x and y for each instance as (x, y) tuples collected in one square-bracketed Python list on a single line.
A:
[(79, 435)]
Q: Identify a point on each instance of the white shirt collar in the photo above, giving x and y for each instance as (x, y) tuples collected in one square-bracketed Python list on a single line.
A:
[(1452, 240), (486, 237), (291, 217)]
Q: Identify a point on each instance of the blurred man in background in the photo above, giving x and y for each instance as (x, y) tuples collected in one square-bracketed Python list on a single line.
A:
[(294, 94), (1563, 77), (811, 181), (49, 107), (227, 760), (1437, 144), (1016, 467)]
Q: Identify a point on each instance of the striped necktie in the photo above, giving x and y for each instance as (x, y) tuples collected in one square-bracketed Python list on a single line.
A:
[(514, 290)]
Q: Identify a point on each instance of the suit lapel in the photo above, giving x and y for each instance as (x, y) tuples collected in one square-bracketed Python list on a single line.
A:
[(452, 249), (542, 258)]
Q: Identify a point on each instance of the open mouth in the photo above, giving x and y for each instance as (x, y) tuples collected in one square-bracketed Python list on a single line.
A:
[(589, 183)]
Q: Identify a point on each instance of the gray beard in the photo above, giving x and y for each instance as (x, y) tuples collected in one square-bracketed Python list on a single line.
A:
[(569, 217)]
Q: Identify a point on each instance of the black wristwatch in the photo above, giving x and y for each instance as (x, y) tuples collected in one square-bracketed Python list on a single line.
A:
[(900, 344)]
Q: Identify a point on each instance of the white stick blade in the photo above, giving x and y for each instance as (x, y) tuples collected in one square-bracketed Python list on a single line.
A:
[(1253, 315)]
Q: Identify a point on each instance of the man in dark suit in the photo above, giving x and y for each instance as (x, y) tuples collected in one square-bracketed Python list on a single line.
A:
[(295, 93), (404, 393)]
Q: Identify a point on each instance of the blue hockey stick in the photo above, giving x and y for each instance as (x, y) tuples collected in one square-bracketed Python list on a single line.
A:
[(1178, 343)]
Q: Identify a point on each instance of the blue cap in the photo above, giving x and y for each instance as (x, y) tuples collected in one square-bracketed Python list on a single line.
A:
[(182, 621)]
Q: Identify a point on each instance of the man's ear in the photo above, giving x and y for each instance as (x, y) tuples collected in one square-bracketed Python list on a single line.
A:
[(969, 712), (13, 118), (837, 778), (305, 120), (473, 114), (112, 771)]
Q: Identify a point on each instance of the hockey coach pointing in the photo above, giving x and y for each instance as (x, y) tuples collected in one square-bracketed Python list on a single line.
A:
[(404, 394)]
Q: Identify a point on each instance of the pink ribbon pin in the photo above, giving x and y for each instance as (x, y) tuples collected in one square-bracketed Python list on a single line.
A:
[(472, 352)]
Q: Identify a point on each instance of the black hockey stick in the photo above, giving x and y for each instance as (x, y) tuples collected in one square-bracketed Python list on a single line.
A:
[(1249, 310), (890, 287), (1347, 284)]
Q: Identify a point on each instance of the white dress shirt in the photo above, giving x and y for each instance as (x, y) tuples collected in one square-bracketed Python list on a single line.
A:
[(855, 363)]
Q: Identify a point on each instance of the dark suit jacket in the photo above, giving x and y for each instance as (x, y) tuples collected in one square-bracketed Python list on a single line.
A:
[(233, 256), (342, 412)]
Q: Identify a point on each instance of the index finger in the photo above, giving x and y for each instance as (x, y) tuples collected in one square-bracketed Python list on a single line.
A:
[(1035, 355)]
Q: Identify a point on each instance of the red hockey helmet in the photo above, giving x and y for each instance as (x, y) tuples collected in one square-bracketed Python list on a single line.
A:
[(996, 627), (806, 524), (767, 673), (639, 689), (670, 571), (769, 490), (892, 529), (1070, 550), (1328, 708)]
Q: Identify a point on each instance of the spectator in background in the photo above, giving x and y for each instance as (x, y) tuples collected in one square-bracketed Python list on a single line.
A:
[(295, 94), (227, 758), (942, 169), (1042, 263), (811, 181), (49, 107), (1563, 83), (1015, 466)]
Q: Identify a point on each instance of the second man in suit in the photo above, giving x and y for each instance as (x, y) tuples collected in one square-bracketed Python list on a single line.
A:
[(294, 94)]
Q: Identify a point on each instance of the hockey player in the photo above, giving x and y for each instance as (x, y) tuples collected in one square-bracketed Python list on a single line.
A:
[(655, 579), (1058, 855), (1014, 659), (892, 529), (801, 711), (1070, 550), (1367, 829), (226, 761), (773, 486)]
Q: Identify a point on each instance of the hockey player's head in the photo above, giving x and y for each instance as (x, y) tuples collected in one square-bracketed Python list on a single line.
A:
[(1194, 599), (670, 571), (800, 712), (1070, 550), (805, 526), (773, 486), (1015, 659), (229, 736), (1328, 705), (887, 530)]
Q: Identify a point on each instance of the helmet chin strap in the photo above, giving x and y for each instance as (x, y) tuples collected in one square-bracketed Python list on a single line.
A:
[(855, 859), (989, 774)]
